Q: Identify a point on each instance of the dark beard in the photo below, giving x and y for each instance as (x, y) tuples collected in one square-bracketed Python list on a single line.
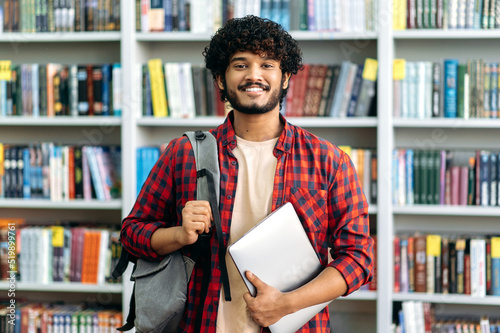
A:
[(253, 109)]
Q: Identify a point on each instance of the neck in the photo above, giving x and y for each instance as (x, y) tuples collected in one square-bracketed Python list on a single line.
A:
[(257, 127)]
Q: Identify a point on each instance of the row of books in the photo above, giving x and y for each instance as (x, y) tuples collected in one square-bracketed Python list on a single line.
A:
[(445, 177), (60, 90), (451, 14), (47, 317), (206, 16), (453, 90), (60, 172), (62, 253), (343, 90), (365, 162), (59, 15), (421, 317), (435, 264), (484, 325), (178, 90)]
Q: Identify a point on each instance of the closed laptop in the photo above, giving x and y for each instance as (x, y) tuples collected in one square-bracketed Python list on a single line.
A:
[(278, 251)]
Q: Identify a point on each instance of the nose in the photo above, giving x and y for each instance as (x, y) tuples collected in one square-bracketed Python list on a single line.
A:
[(253, 74)]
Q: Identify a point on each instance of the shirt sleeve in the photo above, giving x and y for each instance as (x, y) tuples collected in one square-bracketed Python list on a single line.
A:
[(352, 246), (154, 207)]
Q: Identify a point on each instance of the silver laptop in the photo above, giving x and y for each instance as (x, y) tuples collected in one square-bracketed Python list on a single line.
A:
[(278, 251)]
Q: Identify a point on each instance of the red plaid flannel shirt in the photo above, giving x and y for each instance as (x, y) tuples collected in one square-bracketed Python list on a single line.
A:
[(315, 176)]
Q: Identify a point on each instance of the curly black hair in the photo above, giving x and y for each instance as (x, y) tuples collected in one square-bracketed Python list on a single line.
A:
[(257, 35)]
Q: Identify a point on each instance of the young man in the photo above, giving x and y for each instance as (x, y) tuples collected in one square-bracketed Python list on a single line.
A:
[(265, 162)]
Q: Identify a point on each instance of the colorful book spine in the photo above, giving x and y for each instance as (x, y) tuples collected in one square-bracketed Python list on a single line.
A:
[(450, 88), (461, 92), (410, 199), (484, 177), (117, 89), (436, 90), (494, 105), (478, 10), (495, 266)]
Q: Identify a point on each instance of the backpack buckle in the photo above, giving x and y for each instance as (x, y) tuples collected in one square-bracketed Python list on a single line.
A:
[(199, 135)]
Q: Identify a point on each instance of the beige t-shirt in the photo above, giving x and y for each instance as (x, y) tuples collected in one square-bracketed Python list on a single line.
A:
[(252, 202)]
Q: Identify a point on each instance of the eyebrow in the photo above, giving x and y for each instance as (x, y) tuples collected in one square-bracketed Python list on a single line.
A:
[(238, 59)]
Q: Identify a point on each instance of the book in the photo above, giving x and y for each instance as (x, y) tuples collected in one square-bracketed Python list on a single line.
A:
[(420, 264), (157, 82), (399, 14), (452, 276), (450, 88), (368, 88), (433, 261), (436, 90), (495, 266), (397, 263), (445, 265), (478, 267)]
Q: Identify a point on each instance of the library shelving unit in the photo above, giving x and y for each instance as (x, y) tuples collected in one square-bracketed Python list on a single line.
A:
[(361, 311), (436, 133), (65, 48)]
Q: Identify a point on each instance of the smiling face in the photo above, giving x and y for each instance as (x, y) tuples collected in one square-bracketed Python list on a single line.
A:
[(253, 83)]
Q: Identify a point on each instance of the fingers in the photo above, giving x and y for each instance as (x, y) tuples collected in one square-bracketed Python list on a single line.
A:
[(255, 280), (197, 215)]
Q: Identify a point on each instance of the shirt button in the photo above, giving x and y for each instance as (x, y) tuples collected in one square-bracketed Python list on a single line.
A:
[(233, 162), (216, 303), (229, 197)]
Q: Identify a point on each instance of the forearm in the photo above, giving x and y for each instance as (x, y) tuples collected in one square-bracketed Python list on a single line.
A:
[(166, 240), (327, 286)]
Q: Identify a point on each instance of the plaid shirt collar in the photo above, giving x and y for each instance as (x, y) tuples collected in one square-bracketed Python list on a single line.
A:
[(284, 144)]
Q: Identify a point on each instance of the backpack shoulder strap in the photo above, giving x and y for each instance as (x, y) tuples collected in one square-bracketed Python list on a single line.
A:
[(205, 152), (208, 188)]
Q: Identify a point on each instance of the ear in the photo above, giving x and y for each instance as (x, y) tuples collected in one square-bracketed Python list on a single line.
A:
[(220, 83), (286, 80)]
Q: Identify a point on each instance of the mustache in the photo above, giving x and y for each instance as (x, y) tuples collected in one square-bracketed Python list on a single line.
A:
[(249, 84)]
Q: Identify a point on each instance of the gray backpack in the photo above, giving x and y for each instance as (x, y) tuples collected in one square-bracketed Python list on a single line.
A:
[(160, 289)]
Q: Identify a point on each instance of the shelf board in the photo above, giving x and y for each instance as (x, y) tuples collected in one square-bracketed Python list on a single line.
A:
[(181, 122), (447, 34), (332, 35), (300, 121), (447, 298), (333, 122), (65, 287), (298, 35), (360, 295), (60, 121), (472, 123), (73, 204), (42, 37), (175, 36), (447, 210)]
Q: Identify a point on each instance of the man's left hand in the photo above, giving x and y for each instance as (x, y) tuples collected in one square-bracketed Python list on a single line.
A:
[(269, 304)]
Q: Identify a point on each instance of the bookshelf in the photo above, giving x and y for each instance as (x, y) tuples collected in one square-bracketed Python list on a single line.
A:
[(435, 45), (383, 133)]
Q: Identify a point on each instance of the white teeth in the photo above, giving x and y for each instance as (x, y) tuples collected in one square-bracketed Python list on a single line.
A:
[(254, 89)]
